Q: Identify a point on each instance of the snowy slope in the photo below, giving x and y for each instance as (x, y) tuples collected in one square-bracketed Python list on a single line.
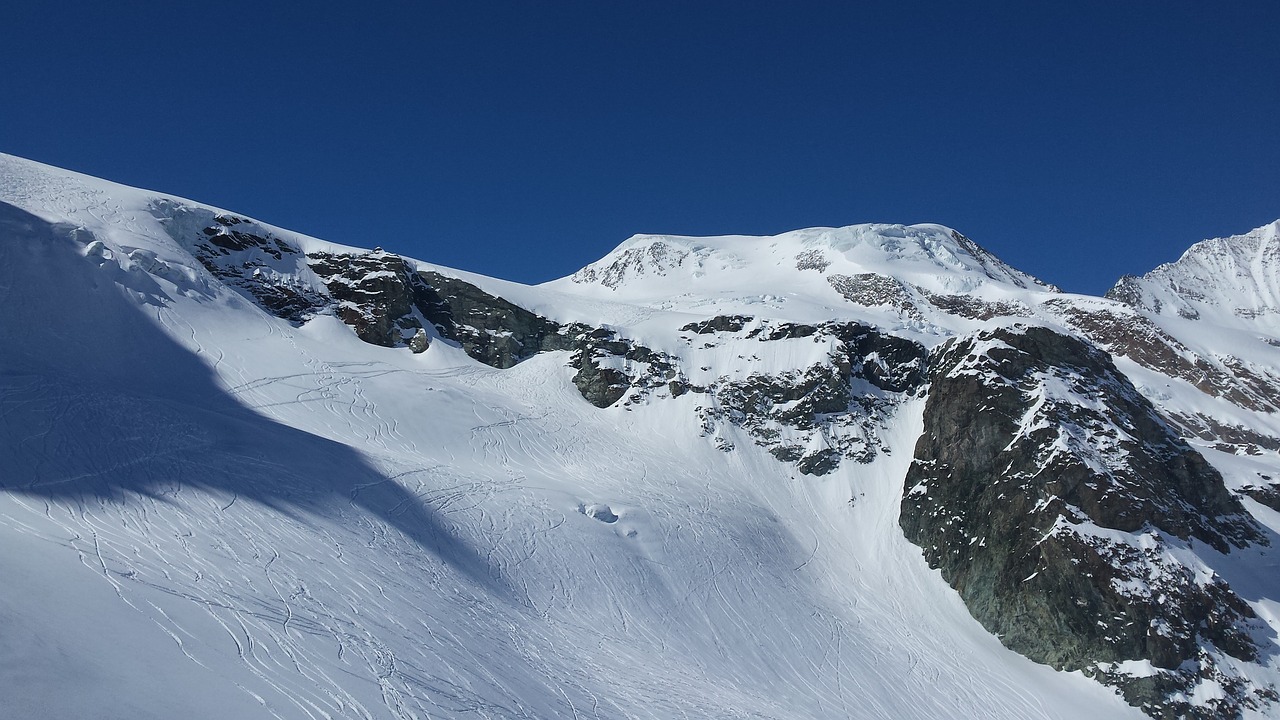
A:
[(807, 275), (213, 510), (1230, 279)]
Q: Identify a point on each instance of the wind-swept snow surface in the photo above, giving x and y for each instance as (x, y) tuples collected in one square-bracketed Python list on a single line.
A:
[(211, 511)]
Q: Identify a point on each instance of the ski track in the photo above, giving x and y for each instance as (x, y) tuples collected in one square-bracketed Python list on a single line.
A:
[(306, 618)]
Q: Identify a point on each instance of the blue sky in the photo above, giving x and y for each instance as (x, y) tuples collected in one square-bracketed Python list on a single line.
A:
[(1078, 141)]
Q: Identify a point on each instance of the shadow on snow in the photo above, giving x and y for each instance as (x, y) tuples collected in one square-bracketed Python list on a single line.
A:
[(98, 405)]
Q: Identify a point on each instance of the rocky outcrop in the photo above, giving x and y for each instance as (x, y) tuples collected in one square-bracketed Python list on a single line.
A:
[(377, 293), (968, 306), (500, 333), (420, 341), (1136, 337), (718, 324), (812, 259), (251, 259), (1065, 512), (493, 330), (875, 290), (818, 416), (609, 366), (1268, 494)]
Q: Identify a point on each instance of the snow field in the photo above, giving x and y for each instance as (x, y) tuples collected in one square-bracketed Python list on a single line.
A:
[(209, 511)]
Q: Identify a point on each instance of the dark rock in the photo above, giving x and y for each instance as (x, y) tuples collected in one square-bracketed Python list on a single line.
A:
[(641, 368), (875, 290), (255, 263), (719, 323), (1267, 494), (378, 294), (500, 333), (820, 462), (887, 361), (1227, 437), (1051, 516), (1128, 291), (783, 331), (420, 341), (601, 387), (491, 329), (974, 308), (1144, 342), (787, 412)]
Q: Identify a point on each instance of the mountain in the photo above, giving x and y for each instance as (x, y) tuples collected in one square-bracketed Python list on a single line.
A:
[(1230, 279), (868, 472)]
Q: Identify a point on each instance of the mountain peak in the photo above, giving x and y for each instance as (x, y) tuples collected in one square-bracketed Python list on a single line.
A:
[(1234, 278), (931, 257)]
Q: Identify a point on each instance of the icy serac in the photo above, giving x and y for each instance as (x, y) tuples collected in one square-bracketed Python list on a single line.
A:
[(862, 472)]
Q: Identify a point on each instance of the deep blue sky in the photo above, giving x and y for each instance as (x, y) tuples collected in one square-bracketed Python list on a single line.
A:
[(1077, 140)]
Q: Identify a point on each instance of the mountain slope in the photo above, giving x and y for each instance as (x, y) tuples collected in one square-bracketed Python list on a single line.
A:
[(287, 478), (1232, 277)]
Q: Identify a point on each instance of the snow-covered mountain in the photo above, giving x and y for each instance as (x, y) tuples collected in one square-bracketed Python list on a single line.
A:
[(1229, 279), (864, 472)]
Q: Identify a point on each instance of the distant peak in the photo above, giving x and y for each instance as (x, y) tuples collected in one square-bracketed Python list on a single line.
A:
[(931, 256), (1231, 276)]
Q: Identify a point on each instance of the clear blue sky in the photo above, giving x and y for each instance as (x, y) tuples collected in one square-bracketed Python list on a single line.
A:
[(1077, 140)]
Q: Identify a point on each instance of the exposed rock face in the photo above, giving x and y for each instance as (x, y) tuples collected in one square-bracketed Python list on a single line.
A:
[(1268, 493), (977, 309), (813, 404), (377, 294), (1141, 340), (647, 257), (719, 323), (828, 412), (874, 290), (251, 259), (420, 341), (1125, 332), (492, 330), (500, 334), (609, 366), (1062, 508)]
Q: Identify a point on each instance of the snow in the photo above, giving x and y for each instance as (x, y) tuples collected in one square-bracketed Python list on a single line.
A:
[(929, 256), (228, 515), (1233, 280)]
